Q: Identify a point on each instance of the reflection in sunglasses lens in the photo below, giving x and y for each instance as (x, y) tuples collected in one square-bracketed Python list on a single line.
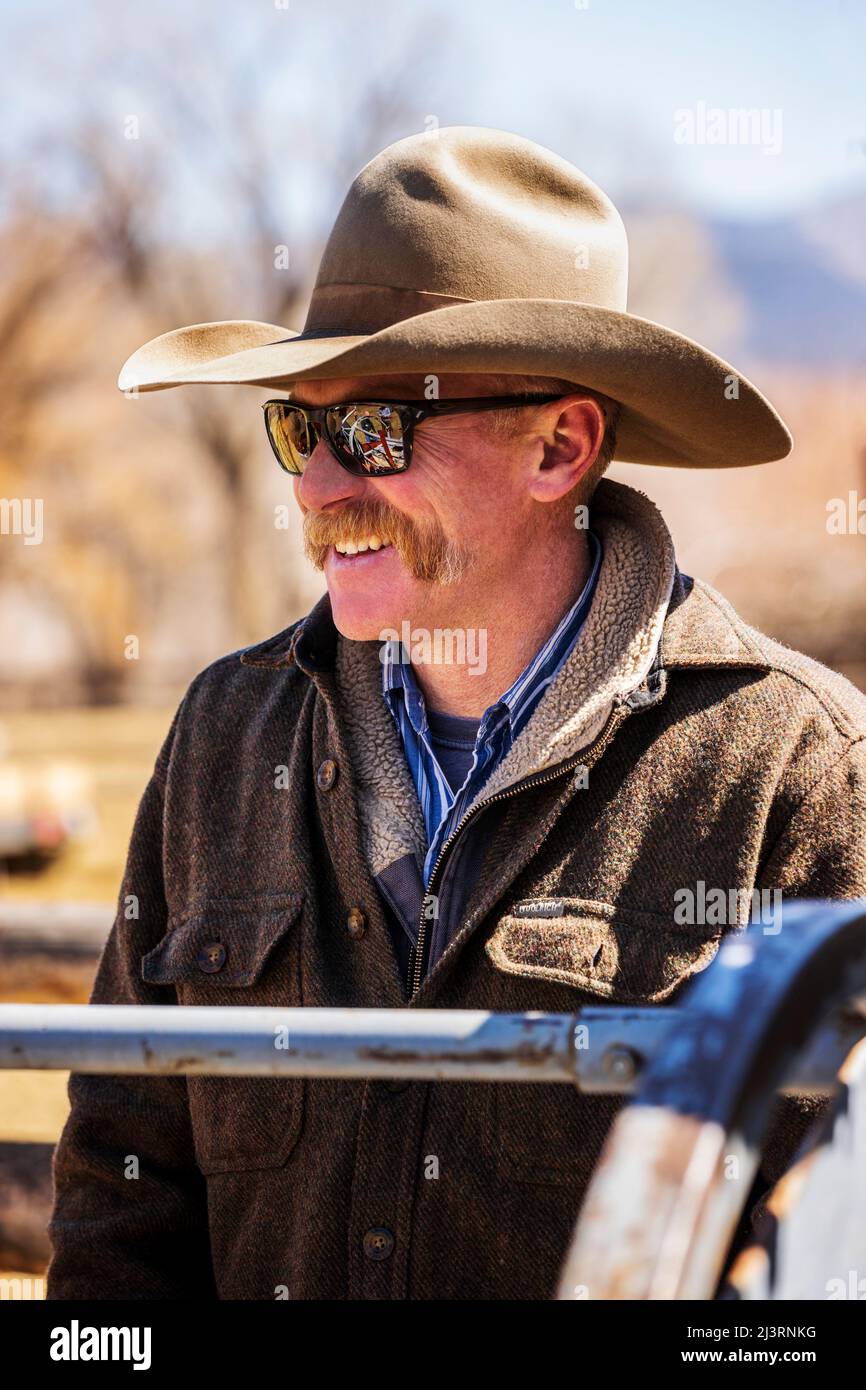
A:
[(373, 435), (296, 435)]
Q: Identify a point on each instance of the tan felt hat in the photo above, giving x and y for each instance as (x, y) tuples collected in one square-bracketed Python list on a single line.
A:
[(471, 250)]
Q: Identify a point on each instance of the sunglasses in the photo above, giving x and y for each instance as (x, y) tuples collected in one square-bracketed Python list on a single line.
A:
[(372, 439)]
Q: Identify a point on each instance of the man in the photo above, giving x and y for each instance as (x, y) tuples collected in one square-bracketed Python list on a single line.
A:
[(348, 815)]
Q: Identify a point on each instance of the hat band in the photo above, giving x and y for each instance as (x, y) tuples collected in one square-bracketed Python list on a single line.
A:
[(358, 309)]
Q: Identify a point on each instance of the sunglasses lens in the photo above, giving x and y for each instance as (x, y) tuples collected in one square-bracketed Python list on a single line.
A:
[(372, 439), (290, 438)]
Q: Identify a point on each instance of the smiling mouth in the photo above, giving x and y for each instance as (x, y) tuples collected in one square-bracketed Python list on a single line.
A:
[(361, 547)]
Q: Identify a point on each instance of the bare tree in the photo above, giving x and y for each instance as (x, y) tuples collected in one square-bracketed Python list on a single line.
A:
[(202, 173)]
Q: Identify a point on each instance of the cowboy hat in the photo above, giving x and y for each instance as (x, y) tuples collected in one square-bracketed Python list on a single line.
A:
[(470, 250)]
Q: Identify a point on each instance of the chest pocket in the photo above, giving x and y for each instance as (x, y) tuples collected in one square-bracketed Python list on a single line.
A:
[(237, 952), (571, 952)]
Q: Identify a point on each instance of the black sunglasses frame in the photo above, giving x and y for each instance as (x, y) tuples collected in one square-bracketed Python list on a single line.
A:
[(316, 420)]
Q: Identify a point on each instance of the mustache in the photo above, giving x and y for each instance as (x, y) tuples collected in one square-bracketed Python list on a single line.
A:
[(423, 545)]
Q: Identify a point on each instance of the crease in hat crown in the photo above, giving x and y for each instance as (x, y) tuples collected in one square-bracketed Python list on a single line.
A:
[(467, 214)]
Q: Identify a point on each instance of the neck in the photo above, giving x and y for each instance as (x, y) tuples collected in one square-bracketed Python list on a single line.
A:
[(508, 630)]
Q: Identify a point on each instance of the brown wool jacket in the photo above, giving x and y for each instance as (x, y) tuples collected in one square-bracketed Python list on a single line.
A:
[(676, 746)]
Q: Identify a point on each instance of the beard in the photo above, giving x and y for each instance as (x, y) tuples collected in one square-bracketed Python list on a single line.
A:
[(427, 552)]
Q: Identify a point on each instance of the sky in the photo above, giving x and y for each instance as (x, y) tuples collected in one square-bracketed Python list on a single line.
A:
[(637, 64), (641, 94)]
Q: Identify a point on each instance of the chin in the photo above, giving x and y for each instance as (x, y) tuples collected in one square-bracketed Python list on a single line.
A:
[(363, 617), (369, 596)]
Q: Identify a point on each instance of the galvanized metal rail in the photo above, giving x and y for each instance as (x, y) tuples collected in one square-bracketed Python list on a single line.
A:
[(159, 1040), (596, 1050)]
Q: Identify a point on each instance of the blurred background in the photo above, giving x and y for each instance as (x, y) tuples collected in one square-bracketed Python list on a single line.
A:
[(166, 165)]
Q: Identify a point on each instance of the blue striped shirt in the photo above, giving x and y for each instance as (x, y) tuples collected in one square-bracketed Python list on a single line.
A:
[(501, 723)]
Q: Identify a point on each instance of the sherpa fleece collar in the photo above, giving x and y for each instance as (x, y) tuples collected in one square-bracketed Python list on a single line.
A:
[(610, 660)]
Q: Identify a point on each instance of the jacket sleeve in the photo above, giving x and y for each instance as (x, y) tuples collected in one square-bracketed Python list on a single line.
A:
[(130, 1216), (821, 853)]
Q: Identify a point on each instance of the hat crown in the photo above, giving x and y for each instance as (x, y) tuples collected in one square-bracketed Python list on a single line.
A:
[(466, 213)]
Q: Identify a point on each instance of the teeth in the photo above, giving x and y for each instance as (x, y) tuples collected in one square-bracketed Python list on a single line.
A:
[(358, 547)]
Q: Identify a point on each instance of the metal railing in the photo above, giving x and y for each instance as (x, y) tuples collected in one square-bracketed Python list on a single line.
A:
[(772, 1013), (596, 1050)]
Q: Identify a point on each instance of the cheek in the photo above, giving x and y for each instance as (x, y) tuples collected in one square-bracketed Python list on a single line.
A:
[(406, 493), (486, 505), (471, 492)]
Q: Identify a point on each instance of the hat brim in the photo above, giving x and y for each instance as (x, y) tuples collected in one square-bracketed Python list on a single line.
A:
[(681, 405)]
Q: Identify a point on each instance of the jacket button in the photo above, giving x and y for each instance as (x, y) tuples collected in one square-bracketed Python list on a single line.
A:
[(356, 923), (326, 775), (212, 957), (378, 1243)]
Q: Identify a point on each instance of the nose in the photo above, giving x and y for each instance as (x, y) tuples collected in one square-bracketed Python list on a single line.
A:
[(325, 483)]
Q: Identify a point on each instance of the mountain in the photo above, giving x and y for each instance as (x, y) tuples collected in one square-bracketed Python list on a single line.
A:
[(791, 290), (804, 281)]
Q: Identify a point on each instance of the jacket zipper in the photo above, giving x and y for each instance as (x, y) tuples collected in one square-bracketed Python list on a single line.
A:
[(593, 751)]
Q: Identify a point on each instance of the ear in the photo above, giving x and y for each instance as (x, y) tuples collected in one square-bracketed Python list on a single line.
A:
[(568, 436)]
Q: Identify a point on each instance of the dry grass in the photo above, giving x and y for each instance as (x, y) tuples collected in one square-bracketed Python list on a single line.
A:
[(33, 1109), (114, 750), (33, 1106)]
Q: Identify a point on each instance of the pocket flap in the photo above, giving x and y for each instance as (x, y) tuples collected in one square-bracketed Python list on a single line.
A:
[(615, 952), (227, 940)]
